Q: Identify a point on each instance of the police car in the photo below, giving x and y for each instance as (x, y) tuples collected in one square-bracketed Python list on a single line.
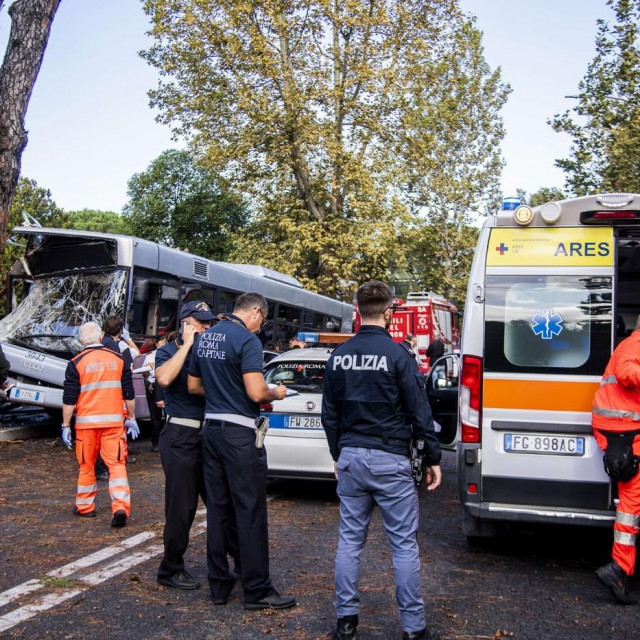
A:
[(296, 442)]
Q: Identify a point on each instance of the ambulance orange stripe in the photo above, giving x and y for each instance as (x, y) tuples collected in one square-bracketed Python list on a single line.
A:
[(544, 395)]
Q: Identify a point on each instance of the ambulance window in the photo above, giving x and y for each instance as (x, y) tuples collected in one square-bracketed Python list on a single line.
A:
[(548, 323)]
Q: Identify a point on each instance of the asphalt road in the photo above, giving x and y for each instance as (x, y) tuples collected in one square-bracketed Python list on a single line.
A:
[(62, 577)]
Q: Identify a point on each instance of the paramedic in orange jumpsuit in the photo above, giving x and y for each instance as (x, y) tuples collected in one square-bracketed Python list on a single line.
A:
[(616, 409), (96, 382)]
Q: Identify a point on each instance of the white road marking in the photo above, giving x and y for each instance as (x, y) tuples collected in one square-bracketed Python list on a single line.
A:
[(121, 566), (17, 592), (50, 600), (43, 603), (68, 569), (99, 556)]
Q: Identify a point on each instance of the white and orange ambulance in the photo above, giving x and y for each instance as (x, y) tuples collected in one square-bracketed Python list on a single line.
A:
[(552, 290)]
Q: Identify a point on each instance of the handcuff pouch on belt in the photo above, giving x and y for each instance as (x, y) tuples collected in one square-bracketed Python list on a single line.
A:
[(417, 457), (620, 463)]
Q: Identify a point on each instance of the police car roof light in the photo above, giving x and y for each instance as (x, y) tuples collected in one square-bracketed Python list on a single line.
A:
[(326, 337)]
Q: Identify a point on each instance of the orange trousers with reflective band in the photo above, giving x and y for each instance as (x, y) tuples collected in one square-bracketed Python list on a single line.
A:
[(625, 527), (111, 443)]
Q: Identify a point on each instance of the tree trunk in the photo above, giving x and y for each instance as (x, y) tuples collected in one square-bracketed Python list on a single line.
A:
[(30, 26)]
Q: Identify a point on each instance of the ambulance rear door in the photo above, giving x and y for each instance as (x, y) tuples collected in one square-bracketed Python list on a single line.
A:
[(547, 339)]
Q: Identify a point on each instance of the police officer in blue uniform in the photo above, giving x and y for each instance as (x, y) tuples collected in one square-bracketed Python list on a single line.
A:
[(226, 366), (181, 447), (373, 404)]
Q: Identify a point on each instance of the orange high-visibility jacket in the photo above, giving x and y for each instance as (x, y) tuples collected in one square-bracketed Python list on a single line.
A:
[(94, 383), (616, 405)]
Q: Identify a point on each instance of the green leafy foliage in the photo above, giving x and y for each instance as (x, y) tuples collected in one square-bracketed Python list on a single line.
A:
[(103, 221), (38, 203), (544, 195), (433, 266), (451, 142), (181, 204), (605, 151), (335, 118)]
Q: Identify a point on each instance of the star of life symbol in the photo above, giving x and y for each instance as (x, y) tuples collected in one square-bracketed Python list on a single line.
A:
[(547, 324)]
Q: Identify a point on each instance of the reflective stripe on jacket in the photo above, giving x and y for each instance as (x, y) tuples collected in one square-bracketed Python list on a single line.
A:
[(616, 404), (99, 374)]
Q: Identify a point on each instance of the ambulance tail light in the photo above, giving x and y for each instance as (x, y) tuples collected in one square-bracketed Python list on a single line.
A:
[(610, 217), (470, 398), (267, 406)]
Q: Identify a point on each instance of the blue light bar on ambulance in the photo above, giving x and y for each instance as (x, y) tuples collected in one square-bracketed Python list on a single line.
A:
[(510, 204), (610, 218)]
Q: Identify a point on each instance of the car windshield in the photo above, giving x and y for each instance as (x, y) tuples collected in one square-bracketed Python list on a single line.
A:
[(297, 375)]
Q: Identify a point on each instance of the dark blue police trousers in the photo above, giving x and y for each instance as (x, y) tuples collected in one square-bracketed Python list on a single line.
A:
[(235, 475), (181, 455)]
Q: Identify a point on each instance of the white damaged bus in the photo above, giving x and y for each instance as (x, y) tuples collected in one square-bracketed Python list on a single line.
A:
[(67, 277)]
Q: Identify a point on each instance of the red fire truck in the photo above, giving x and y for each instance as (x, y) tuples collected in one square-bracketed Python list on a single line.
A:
[(425, 315)]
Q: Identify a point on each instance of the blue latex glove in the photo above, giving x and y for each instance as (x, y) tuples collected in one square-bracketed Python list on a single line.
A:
[(133, 430), (126, 336), (66, 437)]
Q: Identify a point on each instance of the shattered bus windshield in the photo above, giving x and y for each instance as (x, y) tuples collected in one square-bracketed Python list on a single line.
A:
[(49, 316)]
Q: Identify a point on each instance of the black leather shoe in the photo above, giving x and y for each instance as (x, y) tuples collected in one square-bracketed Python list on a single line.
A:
[(425, 634), (181, 580), (612, 575), (346, 628), (119, 519), (87, 514), (271, 602)]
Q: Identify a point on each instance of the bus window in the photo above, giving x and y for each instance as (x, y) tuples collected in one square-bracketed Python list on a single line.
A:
[(168, 309), (332, 324), (307, 323), (287, 322), (226, 300), (154, 308), (197, 293)]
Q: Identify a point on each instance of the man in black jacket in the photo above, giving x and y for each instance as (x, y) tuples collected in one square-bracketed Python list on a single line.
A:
[(373, 404)]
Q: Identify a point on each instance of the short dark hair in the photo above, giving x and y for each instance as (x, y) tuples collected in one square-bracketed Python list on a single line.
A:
[(113, 325), (374, 298), (249, 301)]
